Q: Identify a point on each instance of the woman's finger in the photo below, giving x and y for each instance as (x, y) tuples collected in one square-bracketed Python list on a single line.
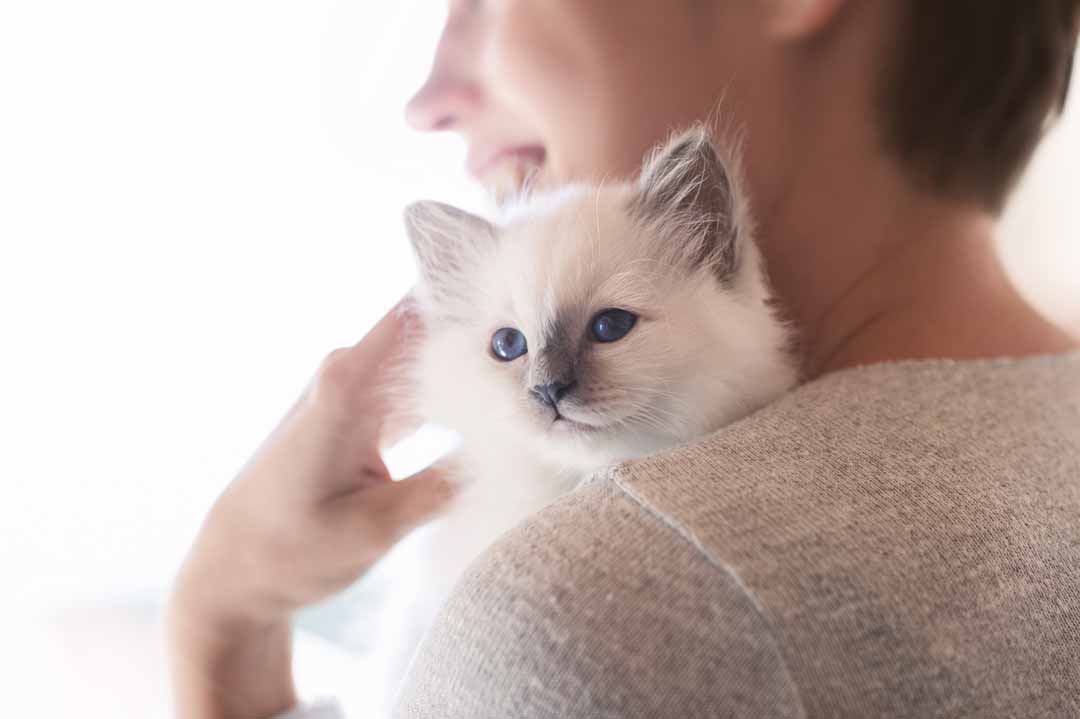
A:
[(385, 340), (357, 383), (383, 514), (392, 392)]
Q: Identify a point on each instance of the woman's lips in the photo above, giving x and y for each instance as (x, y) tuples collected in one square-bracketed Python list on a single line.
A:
[(482, 162)]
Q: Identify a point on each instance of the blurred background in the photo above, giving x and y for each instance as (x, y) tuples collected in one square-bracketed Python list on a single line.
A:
[(198, 201)]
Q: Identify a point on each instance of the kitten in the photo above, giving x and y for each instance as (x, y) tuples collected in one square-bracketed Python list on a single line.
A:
[(593, 325)]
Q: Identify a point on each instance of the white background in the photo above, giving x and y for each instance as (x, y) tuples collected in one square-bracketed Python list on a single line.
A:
[(198, 200)]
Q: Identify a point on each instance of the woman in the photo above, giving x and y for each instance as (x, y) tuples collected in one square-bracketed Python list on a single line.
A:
[(899, 536)]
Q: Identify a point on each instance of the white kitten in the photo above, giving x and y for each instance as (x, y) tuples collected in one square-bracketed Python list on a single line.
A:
[(593, 325)]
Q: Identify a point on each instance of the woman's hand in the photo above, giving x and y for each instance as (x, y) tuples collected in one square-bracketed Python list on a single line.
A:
[(310, 513)]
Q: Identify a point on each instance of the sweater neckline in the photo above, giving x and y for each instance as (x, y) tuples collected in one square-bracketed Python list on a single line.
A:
[(1065, 358)]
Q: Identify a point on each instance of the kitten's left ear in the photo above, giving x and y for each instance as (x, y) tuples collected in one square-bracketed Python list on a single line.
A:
[(688, 190), (448, 243)]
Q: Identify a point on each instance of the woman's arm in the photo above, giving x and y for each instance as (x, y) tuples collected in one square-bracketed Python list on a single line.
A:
[(229, 672), (311, 512)]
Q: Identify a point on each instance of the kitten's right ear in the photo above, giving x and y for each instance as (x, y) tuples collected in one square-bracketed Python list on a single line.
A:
[(448, 243)]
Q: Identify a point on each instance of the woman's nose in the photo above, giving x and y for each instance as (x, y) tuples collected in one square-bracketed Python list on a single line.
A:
[(450, 95), (441, 103)]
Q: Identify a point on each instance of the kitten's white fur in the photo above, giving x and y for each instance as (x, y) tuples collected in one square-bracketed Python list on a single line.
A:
[(674, 247)]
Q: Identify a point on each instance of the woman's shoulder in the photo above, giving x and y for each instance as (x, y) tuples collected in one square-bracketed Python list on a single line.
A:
[(912, 386), (914, 447), (891, 413), (790, 557), (939, 393), (926, 421)]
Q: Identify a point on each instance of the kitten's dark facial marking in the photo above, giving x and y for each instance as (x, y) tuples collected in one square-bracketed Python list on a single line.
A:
[(612, 325), (508, 343), (557, 364), (554, 364)]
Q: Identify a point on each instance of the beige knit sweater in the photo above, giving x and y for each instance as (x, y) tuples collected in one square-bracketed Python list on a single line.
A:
[(899, 540)]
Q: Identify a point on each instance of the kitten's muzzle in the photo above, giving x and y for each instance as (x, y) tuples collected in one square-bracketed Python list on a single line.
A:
[(550, 393)]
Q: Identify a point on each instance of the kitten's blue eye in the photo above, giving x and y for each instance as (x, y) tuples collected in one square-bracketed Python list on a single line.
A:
[(612, 325), (508, 344)]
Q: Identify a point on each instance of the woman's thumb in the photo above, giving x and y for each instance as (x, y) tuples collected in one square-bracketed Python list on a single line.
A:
[(396, 508)]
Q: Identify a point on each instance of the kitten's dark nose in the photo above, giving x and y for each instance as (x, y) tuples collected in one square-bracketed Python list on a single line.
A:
[(551, 393)]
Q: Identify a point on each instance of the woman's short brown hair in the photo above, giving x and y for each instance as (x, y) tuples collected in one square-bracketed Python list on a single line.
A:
[(972, 88)]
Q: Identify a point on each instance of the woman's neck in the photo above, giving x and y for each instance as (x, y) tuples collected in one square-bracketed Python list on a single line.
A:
[(893, 274), (935, 297)]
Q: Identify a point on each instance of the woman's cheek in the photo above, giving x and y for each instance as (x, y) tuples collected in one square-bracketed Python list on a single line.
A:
[(527, 63), (566, 68), (539, 74)]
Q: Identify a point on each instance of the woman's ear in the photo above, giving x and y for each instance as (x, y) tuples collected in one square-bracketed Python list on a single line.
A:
[(800, 19)]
